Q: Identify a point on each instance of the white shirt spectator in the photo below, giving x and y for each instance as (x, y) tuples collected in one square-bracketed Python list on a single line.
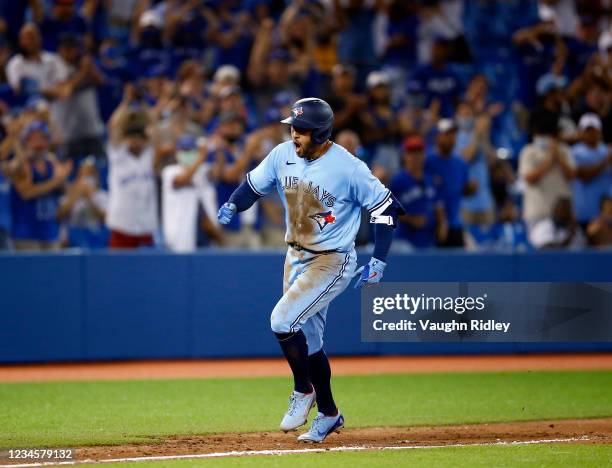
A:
[(132, 207), (180, 206), (546, 232), (539, 198), (45, 72)]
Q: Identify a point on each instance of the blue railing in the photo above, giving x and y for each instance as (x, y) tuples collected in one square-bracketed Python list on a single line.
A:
[(147, 305)]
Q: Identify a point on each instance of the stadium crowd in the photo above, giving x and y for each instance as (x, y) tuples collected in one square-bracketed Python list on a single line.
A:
[(126, 123)]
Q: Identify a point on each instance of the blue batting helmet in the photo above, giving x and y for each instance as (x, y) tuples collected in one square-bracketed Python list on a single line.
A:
[(312, 114)]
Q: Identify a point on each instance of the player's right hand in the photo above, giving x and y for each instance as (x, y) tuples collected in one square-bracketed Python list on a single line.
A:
[(226, 213), (369, 274)]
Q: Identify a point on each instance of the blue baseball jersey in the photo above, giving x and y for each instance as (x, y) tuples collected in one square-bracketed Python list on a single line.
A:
[(418, 197), (450, 175), (588, 195), (322, 198), (36, 219)]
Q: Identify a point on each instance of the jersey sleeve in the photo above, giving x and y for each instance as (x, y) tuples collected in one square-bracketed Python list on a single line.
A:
[(262, 179), (366, 190)]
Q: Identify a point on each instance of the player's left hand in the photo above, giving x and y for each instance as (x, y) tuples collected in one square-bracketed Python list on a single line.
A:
[(371, 273), (226, 213)]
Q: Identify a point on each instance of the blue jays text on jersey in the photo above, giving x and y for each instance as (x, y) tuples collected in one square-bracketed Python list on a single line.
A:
[(291, 183), (323, 197)]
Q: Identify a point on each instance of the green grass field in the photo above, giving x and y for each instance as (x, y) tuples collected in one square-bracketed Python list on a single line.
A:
[(113, 412)]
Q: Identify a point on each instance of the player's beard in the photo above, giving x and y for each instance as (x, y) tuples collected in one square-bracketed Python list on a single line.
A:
[(307, 150)]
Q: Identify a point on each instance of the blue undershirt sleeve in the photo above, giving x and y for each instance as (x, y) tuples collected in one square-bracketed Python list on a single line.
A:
[(243, 197), (383, 236)]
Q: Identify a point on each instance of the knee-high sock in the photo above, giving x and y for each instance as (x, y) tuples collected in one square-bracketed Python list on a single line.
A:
[(295, 349), (320, 375)]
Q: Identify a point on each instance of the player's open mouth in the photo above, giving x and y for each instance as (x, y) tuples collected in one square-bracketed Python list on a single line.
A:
[(298, 147)]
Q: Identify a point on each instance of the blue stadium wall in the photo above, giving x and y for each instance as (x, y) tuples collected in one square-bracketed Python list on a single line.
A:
[(150, 305)]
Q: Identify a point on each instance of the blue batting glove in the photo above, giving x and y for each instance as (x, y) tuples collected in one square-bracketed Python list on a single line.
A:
[(226, 213), (371, 273)]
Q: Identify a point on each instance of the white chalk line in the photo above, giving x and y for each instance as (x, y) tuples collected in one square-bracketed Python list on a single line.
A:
[(248, 453)]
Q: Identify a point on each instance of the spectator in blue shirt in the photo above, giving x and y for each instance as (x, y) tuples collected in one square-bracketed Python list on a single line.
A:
[(83, 209), (116, 71), (482, 99), (35, 194), (147, 43), (380, 126), (424, 221), (450, 175), (593, 169), (473, 144), (399, 45), (233, 38), (356, 39), (64, 19), (436, 81), (582, 47), (538, 47), (229, 163), (401, 35), (112, 63)]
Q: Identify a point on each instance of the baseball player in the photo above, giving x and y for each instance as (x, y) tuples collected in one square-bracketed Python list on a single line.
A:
[(323, 188)]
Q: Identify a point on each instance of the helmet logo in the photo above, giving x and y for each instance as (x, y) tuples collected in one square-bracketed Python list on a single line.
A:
[(297, 111)]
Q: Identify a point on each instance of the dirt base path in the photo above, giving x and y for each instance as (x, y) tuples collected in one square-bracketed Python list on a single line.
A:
[(277, 367), (572, 431), (589, 431)]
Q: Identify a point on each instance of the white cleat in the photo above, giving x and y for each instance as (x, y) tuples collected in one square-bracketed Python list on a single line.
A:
[(321, 427), (299, 407)]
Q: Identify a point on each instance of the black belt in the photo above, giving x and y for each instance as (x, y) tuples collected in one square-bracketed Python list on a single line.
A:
[(298, 247)]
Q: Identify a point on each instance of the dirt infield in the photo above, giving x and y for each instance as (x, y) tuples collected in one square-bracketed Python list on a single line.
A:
[(569, 431), (589, 431), (139, 370)]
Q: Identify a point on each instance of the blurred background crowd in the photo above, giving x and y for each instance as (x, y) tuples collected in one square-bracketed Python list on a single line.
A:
[(126, 123)]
